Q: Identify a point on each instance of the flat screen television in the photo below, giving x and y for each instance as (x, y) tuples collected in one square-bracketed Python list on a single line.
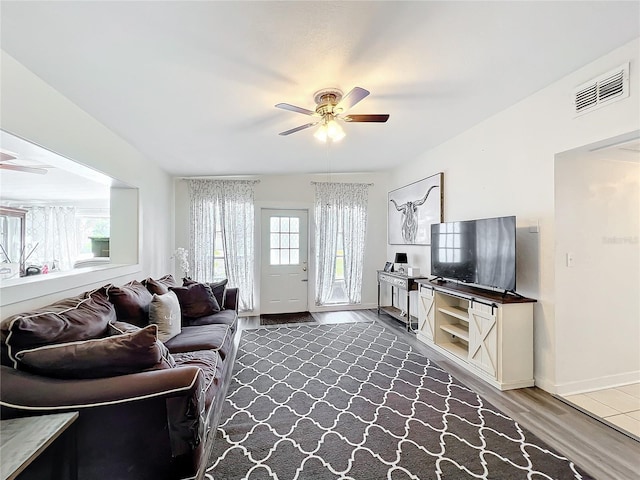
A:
[(479, 251)]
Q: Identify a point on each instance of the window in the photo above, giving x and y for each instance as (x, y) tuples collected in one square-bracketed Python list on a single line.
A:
[(219, 271), (284, 241), (339, 274), (338, 293), (90, 225), (449, 250)]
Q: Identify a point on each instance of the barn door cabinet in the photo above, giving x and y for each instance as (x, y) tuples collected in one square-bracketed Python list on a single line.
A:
[(486, 332), (426, 315)]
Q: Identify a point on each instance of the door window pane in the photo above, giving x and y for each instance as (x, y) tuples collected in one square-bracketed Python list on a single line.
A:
[(284, 240), (275, 240)]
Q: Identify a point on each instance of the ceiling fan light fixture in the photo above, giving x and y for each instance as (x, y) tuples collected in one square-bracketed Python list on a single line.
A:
[(321, 133), (335, 131), (329, 130)]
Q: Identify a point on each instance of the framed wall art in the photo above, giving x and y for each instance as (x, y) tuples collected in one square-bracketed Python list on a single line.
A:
[(412, 210)]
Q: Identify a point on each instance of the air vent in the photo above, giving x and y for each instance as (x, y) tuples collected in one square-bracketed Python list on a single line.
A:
[(607, 88)]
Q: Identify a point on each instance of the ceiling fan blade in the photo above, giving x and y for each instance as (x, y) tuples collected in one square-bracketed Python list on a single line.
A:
[(293, 108), (19, 168), (380, 118), (351, 98), (297, 129)]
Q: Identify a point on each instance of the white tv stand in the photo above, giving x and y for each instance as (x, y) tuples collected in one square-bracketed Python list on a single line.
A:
[(486, 332)]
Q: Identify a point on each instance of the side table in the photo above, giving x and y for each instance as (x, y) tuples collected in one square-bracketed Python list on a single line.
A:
[(22, 440), (401, 282)]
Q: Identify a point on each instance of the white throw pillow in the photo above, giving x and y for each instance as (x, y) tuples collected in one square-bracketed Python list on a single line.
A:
[(164, 311)]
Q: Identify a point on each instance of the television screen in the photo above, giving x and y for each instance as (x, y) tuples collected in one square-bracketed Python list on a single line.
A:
[(476, 251)]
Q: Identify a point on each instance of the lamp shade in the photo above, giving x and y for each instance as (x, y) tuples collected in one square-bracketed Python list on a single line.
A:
[(401, 258)]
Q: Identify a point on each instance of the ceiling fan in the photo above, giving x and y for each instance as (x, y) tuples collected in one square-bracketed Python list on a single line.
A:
[(6, 160), (331, 105)]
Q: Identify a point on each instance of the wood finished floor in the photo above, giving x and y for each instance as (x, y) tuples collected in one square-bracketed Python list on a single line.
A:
[(600, 450)]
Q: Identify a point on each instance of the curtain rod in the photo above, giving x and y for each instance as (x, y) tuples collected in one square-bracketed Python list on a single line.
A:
[(359, 183), (248, 179)]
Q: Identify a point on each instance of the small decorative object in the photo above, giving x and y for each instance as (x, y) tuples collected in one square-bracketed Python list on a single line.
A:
[(401, 261), (388, 267), (413, 272), (412, 210), (182, 256)]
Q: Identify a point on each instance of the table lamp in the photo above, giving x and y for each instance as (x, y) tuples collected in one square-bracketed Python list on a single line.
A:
[(401, 260)]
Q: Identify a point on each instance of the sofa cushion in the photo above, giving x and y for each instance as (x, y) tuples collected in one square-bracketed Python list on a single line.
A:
[(196, 300), (223, 317), (164, 311), (160, 285), (83, 317), (212, 369), (218, 289), (118, 354), (131, 301), (203, 337)]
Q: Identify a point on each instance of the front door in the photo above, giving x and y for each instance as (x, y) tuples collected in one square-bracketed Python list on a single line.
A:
[(283, 279)]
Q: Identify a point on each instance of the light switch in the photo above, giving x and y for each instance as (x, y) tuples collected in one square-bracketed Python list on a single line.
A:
[(570, 259)]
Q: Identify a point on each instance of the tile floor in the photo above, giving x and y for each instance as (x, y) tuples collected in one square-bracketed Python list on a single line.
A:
[(619, 406)]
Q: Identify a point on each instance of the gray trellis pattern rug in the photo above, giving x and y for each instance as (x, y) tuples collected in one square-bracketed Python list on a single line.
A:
[(353, 401)]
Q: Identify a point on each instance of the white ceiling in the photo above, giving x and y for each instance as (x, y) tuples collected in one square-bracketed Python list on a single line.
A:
[(193, 85)]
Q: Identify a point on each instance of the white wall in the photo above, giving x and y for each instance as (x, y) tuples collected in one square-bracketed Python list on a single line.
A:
[(297, 192), (505, 166), (35, 111), (597, 291)]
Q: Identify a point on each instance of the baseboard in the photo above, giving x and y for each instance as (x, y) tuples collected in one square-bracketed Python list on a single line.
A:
[(342, 307), (589, 385), (325, 308), (545, 384)]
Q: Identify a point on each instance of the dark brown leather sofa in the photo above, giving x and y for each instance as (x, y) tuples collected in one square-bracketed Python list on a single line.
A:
[(148, 412)]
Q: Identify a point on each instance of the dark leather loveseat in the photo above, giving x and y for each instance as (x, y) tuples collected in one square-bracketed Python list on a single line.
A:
[(147, 408)]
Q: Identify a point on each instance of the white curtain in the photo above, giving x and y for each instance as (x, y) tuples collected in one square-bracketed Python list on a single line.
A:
[(232, 201), (340, 207), (51, 235)]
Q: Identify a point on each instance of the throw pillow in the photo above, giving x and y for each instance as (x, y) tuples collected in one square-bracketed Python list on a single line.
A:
[(84, 317), (103, 357), (164, 311), (196, 300), (132, 302), (118, 328), (161, 285), (218, 289)]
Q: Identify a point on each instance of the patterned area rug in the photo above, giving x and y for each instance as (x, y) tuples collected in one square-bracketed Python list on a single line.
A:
[(283, 318), (353, 401)]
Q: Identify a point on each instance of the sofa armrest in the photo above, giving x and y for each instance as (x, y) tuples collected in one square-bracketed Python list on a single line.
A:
[(167, 405), (22, 390), (231, 299)]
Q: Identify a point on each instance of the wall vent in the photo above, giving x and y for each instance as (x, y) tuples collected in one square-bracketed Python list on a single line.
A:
[(607, 88)]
